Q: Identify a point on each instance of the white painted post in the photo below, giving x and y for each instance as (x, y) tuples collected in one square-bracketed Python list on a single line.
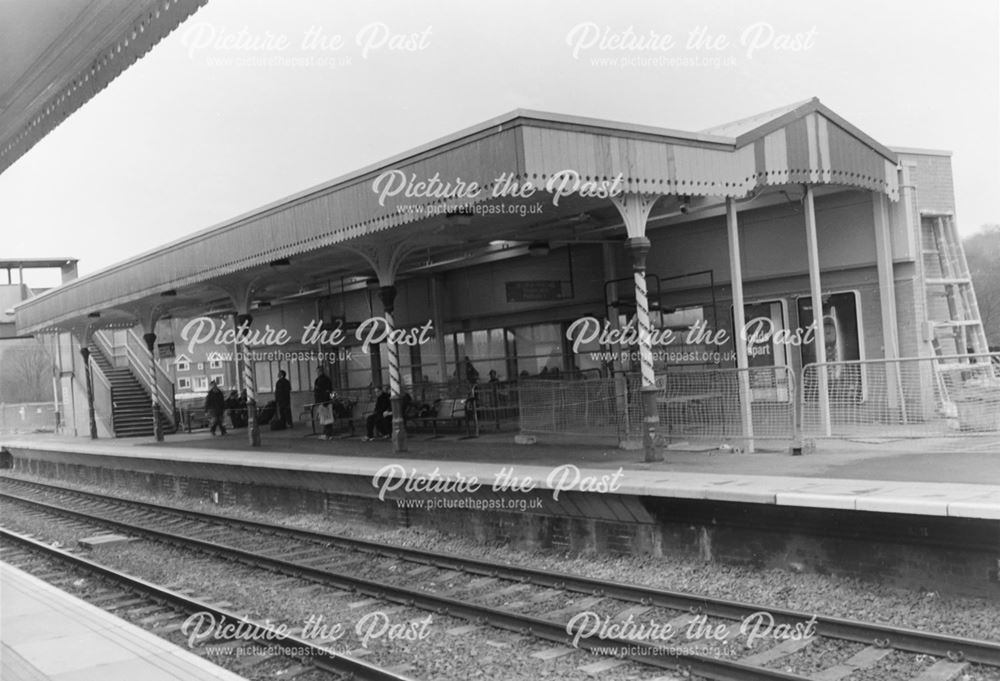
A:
[(739, 318), (816, 294)]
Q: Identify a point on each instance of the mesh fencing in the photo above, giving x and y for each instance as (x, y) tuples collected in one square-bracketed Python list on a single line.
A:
[(584, 407), (28, 417), (707, 404), (693, 403), (956, 395)]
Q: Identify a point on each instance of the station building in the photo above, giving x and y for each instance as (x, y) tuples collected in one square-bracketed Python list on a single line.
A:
[(586, 276)]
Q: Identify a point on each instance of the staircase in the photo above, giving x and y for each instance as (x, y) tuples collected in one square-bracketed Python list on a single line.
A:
[(131, 404)]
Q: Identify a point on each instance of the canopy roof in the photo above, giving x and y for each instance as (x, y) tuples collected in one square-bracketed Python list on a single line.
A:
[(805, 143), (55, 56)]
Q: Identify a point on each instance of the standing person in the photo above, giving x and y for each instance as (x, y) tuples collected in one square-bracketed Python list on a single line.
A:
[(215, 405), (381, 416), (233, 407), (283, 396), (322, 387), (471, 375)]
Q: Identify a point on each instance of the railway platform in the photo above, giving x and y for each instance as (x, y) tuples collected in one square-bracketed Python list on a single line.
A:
[(49, 634), (917, 514), (904, 477)]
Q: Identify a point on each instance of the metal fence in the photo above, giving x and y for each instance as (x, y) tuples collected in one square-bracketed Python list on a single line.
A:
[(28, 417), (583, 407), (711, 405), (694, 403), (957, 395)]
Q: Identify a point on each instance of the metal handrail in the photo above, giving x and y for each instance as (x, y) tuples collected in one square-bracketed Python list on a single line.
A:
[(139, 362), (104, 398)]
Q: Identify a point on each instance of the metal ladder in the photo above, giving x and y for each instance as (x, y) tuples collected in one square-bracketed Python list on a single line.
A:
[(950, 301)]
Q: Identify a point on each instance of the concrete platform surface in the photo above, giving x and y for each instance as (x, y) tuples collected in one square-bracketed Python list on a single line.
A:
[(49, 634), (893, 479)]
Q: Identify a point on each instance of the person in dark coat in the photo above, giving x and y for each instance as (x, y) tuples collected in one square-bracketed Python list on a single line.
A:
[(381, 416), (235, 409), (283, 396), (322, 387), (471, 375), (215, 405)]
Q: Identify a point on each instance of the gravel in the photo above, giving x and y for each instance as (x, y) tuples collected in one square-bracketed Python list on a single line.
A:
[(810, 593)]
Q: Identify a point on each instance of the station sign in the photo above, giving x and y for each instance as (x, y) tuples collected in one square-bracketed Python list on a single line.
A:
[(536, 291)]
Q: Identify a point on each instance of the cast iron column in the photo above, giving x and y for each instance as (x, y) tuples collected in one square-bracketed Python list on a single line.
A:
[(639, 248), (85, 351), (150, 339), (243, 321), (388, 296)]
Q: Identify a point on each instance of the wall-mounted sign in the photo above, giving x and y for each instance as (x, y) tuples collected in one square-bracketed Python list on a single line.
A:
[(534, 291), (766, 322), (165, 350), (843, 341)]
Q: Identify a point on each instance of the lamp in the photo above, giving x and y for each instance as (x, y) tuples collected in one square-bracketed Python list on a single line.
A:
[(538, 248), (94, 315), (280, 263), (169, 293)]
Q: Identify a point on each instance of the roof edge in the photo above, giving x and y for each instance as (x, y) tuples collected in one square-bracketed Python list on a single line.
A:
[(814, 105)]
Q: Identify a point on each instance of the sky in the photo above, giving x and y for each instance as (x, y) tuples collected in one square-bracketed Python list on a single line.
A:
[(249, 101)]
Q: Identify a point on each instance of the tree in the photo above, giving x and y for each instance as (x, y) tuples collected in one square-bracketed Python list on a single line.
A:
[(25, 372), (982, 250)]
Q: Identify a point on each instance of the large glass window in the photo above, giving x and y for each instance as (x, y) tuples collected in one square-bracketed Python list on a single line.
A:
[(539, 350)]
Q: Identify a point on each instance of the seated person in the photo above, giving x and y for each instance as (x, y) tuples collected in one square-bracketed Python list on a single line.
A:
[(237, 410), (381, 417)]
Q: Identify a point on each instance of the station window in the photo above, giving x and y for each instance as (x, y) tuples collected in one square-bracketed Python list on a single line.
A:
[(264, 376), (183, 383), (487, 349), (219, 379), (215, 364), (183, 365), (201, 382), (539, 350)]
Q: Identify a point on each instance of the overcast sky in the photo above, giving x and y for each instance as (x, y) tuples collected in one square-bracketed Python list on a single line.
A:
[(219, 118)]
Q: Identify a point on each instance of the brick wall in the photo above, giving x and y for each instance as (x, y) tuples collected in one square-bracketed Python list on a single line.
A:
[(931, 175)]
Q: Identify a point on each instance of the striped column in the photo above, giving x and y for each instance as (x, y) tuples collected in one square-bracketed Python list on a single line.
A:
[(150, 339), (639, 248), (645, 330), (634, 208), (388, 296), (244, 321), (85, 353)]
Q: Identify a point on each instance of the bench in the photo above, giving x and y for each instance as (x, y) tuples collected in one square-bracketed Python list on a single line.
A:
[(339, 420), (448, 411)]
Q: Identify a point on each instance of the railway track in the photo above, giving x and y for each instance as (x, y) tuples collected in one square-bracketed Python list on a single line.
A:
[(569, 611), (165, 611)]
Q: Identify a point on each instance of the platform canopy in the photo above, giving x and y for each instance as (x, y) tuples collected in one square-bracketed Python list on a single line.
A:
[(55, 56), (295, 247)]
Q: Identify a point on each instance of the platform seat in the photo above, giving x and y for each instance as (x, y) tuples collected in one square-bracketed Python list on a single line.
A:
[(448, 411), (340, 422)]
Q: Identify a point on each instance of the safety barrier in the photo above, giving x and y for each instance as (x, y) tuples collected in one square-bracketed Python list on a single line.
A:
[(585, 407), (716, 404), (27, 417), (951, 396), (694, 403)]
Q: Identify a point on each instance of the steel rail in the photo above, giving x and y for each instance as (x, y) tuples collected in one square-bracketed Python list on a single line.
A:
[(318, 656), (886, 636), (658, 656)]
